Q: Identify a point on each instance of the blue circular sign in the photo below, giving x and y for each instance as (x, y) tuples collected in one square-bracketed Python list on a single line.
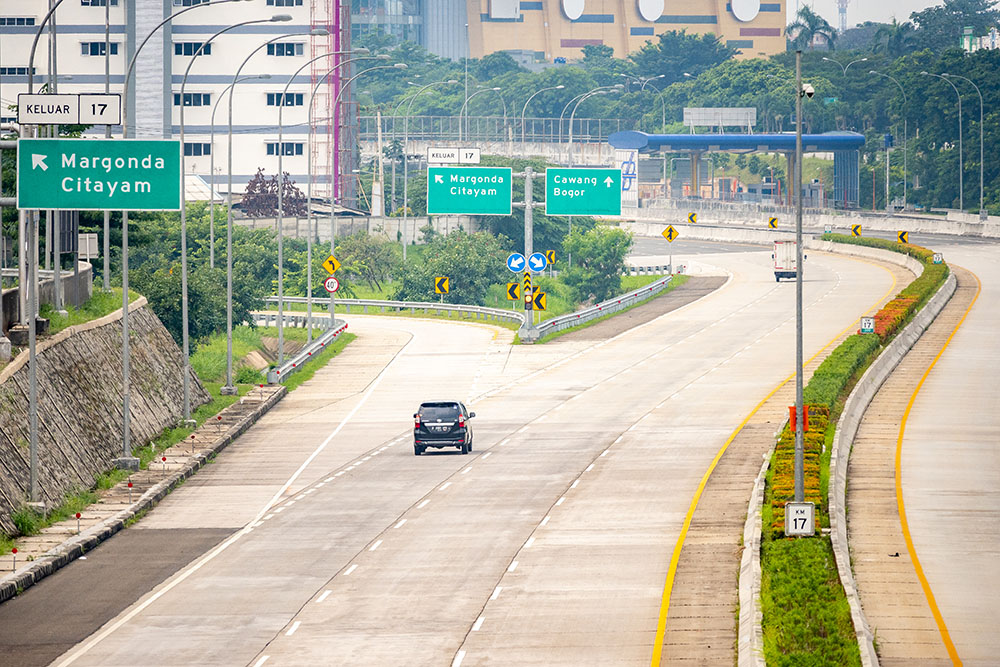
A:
[(537, 262), (515, 262)]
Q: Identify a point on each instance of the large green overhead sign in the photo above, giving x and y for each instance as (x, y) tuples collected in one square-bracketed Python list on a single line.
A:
[(583, 191), (468, 190), (98, 174)]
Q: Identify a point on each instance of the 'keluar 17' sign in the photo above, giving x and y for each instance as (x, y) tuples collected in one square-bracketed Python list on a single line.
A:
[(98, 174)]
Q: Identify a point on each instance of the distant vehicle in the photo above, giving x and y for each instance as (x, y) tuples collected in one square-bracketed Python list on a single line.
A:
[(785, 258), (442, 424)]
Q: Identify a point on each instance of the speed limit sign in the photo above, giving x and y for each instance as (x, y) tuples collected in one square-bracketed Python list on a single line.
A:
[(331, 284)]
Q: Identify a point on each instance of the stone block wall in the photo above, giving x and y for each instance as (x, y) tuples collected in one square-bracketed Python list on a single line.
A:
[(80, 404)]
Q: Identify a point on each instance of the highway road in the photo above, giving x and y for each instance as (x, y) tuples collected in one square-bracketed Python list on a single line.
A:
[(549, 544), (950, 465)]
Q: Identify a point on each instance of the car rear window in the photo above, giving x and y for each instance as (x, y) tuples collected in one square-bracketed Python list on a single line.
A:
[(429, 411)]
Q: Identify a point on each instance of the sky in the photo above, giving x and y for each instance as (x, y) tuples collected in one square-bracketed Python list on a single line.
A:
[(859, 11)]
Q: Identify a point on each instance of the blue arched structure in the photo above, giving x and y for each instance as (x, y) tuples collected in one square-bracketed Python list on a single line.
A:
[(845, 147)]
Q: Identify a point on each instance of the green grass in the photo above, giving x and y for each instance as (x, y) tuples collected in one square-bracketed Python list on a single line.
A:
[(101, 303)]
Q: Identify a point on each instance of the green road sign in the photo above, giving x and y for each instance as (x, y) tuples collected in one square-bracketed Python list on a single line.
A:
[(468, 190), (98, 174), (583, 191)]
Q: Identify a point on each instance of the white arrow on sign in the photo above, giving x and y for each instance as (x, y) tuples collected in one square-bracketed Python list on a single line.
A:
[(609, 181), (438, 178), (536, 263), (39, 161)]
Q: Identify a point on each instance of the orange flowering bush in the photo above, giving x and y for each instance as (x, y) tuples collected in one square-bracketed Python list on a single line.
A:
[(783, 477)]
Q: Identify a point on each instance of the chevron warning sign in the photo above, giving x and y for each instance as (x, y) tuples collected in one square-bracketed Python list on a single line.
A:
[(550, 256), (692, 218), (538, 300), (903, 237), (856, 230), (513, 291), (772, 223), (441, 285)]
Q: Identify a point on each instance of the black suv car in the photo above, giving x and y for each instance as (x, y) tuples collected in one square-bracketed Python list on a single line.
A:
[(442, 424)]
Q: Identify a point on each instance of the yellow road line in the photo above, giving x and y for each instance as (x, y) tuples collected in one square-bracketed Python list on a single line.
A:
[(945, 637), (661, 626)]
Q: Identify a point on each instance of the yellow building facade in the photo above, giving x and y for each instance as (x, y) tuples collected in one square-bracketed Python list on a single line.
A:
[(561, 28)]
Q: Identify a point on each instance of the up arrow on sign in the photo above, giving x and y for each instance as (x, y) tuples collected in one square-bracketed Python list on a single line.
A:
[(38, 162), (608, 182)]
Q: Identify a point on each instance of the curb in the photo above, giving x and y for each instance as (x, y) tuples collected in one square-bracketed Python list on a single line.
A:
[(65, 553), (847, 427), (750, 645)]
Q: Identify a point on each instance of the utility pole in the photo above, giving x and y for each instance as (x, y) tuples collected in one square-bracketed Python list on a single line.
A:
[(797, 184)]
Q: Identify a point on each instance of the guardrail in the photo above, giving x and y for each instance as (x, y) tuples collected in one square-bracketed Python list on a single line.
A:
[(294, 364), (604, 308), (480, 312)]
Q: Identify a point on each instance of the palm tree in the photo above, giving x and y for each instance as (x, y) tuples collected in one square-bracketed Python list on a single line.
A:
[(808, 26), (894, 39)]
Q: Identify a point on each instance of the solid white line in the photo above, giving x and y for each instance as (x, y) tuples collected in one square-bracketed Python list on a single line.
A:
[(350, 569), (487, 455), (375, 546), (560, 501), (401, 522), (262, 660), (496, 592), (545, 520), (291, 630), (589, 468), (138, 609), (513, 566), (324, 596), (444, 486), (457, 662), (478, 624), (575, 482), (423, 503)]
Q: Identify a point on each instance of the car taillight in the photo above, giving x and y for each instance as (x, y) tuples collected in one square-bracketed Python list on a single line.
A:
[(461, 422), (416, 421)]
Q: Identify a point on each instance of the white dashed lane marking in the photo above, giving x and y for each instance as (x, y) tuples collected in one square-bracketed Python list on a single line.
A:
[(375, 546), (350, 569), (324, 596), (291, 630), (478, 624)]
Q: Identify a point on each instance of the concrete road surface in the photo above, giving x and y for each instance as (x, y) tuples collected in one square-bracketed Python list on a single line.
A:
[(549, 544)]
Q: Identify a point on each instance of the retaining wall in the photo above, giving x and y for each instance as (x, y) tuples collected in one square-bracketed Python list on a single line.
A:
[(76, 289), (80, 399)]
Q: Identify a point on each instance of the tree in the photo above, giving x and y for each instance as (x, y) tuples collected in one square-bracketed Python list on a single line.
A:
[(369, 258), (808, 27), (894, 39), (676, 53), (473, 262), (496, 64), (598, 262), (260, 199), (940, 27)]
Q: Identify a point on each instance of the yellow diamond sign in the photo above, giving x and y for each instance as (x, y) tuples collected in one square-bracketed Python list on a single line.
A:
[(331, 265)]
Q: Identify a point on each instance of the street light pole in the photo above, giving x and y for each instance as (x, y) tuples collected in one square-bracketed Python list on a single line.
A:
[(603, 90), (229, 389), (525, 107), (843, 67), (982, 211), (961, 165), (185, 329), (799, 425), (905, 132)]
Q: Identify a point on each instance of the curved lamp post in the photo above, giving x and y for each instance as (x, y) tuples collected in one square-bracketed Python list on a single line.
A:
[(406, 140), (844, 68), (599, 91), (228, 389), (982, 211), (961, 165), (905, 132), (525, 107), (185, 343)]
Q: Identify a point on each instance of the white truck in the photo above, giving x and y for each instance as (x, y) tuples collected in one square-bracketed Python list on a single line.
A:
[(785, 260)]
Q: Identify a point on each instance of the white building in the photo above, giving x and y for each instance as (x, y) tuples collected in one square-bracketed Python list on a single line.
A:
[(154, 101)]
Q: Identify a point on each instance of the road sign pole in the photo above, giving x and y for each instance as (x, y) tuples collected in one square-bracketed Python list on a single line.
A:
[(797, 182), (32, 231), (333, 241)]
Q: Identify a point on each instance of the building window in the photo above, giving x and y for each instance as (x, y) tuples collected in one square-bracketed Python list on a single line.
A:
[(8, 119), (97, 48), (17, 71), (197, 149), (191, 48), (17, 20), (284, 3), (287, 148), (285, 49), (291, 99), (188, 3), (98, 3), (193, 99)]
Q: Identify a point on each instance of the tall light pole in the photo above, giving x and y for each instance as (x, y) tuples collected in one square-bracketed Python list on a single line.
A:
[(282, 102), (604, 90), (905, 132), (530, 97), (799, 420), (464, 111), (229, 389), (617, 86), (844, 68), (185, 333), (961, 165), (211, 165), (982, 211), (406, 162)]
